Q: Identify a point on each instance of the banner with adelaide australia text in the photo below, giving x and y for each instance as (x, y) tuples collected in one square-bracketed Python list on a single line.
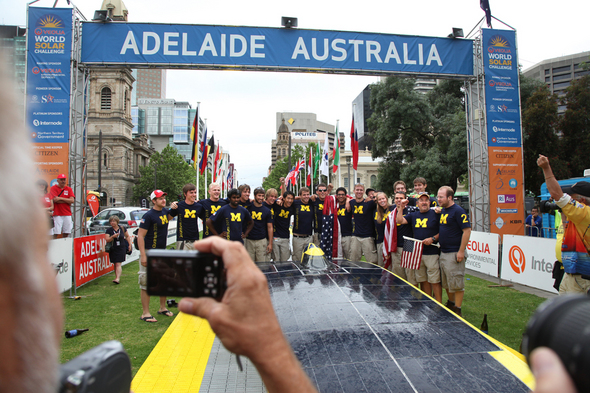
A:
[(504, 135), (49, 46), (90, 260)]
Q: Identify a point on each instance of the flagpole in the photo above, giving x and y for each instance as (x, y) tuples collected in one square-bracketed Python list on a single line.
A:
[(207, 164), (197, 136)]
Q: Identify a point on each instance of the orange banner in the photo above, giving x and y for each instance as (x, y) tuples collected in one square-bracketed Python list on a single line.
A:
[(51, 159), (507, 212)]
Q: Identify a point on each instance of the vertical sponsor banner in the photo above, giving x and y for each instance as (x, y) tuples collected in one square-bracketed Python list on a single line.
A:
[(49, 45), (503, 127), (89, 259), (482, 253), (529, 261)]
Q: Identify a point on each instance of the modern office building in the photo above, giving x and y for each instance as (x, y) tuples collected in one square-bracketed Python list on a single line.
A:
[(13, 46), (558, 73), (303, 128), (166, 122), (149, 83)]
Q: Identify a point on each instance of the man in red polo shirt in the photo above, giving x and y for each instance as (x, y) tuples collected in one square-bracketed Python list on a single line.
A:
[(63, 197)]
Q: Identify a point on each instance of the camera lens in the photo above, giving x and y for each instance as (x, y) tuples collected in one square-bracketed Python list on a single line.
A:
[(563, 324)]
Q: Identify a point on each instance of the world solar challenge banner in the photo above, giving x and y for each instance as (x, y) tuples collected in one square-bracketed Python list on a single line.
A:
[(504, 134), (49, 45)]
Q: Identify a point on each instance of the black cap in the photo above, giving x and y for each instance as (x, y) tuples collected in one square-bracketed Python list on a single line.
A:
[(581, 188), (368, 190)]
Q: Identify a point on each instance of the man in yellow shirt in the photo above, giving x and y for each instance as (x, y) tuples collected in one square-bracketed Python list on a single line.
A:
[(573, 201)]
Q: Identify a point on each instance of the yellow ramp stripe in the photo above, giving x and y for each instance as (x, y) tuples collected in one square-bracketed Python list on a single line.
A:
[(177, 363), (516, 366)]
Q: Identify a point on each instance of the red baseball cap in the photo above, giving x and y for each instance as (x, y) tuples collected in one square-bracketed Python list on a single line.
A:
[(157, 194), (61, 176)]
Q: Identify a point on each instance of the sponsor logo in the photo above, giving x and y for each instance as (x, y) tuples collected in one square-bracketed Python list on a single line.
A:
[(512, 183), (38, 123), (474, 245), (506, 211), (49, 24), (499, 222), (517, 259), (516, 221), (499, 184), (506, 198), (504, 171)]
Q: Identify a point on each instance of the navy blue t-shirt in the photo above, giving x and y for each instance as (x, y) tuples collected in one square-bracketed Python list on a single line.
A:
[(271, 208), (318, 211), (209, 208), (234, 221), (282, 220), (405, 229), (345, 220), (452, 222), (304, 217), (261, 217), (363, 213), (156, 224), (246, 204), (425, 225), (380, 225), (187, 227)]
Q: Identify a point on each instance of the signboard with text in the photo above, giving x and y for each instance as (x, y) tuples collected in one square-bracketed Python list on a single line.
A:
[(482, 253), (529, 261), (194, 46), (89, 259), (504, 135), (49, 45)]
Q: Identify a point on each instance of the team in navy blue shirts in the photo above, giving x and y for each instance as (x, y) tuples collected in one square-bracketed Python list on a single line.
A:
[(188, 212), (345, 221), (425, 224), (303, 223), (281, 250), (454, 233), (235, 220), (260, 238), (152, 233), (363, 233)]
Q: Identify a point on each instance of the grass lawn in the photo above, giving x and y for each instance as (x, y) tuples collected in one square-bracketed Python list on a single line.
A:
[(112, 312)]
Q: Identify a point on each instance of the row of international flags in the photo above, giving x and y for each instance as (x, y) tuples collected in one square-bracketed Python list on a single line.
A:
[(204, 149), (319, 160)]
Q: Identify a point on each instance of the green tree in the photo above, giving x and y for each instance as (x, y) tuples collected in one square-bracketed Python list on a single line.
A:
[(166, 171), (539, 121), (575, 126), (418, 135)]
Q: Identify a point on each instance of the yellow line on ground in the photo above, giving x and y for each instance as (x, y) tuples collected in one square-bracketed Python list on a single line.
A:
[(177, 363)]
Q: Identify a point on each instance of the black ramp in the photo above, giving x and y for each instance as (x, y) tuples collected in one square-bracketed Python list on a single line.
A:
[(358, 328)]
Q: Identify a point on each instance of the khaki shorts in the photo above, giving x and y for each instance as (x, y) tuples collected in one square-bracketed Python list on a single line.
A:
[(281, 249), (142, 281), (316, 239), (360, 246), (573, 283), (299, 245), (432, 266), (185, 245), (396, 265), (452, 273), (345, 242), (257, 250)]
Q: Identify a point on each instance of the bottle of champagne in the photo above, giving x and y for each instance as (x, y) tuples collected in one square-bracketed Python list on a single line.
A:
[(484, 324), (75, 332)]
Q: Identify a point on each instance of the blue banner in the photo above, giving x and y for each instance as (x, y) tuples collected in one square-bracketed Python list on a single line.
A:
[(198, 46), (501, 88), (49, 48)]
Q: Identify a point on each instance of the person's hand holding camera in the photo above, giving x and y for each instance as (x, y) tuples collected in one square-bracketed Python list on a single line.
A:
[(245, 320)]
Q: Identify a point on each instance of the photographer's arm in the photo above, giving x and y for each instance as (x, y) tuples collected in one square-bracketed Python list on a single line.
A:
[(245, 321), (552, 185)]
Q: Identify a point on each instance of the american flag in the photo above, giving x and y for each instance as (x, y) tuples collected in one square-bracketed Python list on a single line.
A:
[(412, 253), (330, 238)]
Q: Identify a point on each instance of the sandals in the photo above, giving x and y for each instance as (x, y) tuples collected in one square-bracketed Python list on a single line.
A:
[(166, 313), (146, 319)]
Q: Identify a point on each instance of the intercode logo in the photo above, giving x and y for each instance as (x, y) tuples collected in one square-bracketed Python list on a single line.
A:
[(517, 259)]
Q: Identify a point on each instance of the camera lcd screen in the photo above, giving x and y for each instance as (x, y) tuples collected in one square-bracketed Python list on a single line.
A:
[(184, 274)]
